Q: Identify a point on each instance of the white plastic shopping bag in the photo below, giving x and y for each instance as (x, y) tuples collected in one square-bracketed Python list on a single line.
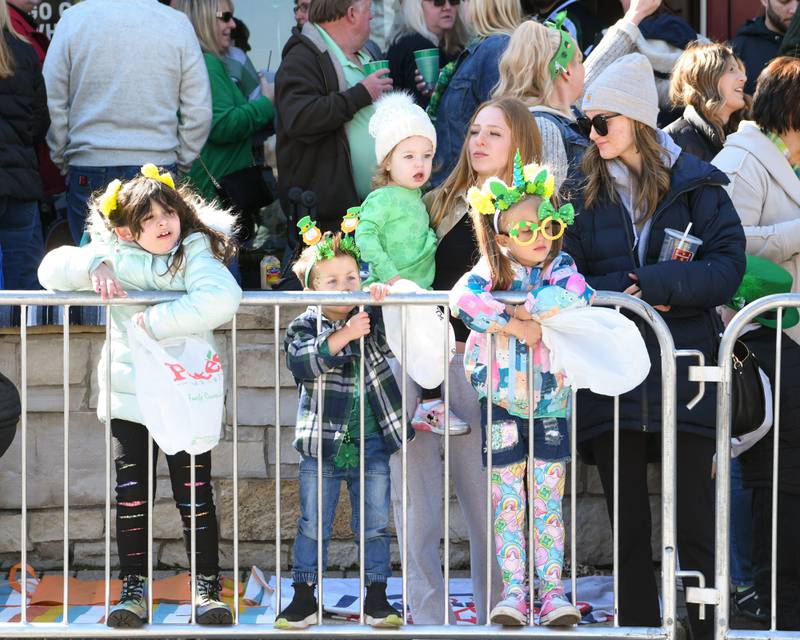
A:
[(597, 349), (425, 341), (180, 390)]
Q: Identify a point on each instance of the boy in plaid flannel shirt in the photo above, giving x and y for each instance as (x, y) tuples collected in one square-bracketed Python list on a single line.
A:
[(327, 361)]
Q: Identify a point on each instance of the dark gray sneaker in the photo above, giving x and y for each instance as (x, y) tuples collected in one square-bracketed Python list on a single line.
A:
[(209, 609), (131, 611), (748, 604)]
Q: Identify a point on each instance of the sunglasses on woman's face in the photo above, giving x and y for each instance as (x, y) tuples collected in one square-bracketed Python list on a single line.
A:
[(225, 16), (599, 122), (440, 3)]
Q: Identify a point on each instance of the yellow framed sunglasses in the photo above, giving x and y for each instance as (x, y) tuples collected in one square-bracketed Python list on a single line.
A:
[(526, 232)]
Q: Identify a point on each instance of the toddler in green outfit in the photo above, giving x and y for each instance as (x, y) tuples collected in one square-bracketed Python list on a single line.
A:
[(394, 233)]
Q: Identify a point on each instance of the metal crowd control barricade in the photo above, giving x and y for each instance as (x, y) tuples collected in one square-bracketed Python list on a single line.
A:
[(722, 375), (276, 300)]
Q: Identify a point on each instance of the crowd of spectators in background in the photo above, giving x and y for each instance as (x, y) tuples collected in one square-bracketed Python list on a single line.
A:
[(717, 142)]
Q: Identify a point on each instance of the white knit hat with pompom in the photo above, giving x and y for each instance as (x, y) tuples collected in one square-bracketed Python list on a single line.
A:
[(396, 118)]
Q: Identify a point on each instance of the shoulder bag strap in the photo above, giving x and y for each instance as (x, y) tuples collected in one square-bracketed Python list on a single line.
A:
[(216, 184)]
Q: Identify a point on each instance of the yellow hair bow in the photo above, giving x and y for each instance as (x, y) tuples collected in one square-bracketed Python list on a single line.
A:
[(482, 202), (151, 171), (108, 201)]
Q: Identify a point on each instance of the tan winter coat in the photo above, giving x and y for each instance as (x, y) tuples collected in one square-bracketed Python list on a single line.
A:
[(766, 193)]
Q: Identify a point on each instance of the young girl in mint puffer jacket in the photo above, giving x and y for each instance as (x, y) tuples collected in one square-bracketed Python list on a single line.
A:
[(394, 233), (148, 235)]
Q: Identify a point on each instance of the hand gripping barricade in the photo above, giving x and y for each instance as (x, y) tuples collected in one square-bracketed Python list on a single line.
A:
[(24, 624)]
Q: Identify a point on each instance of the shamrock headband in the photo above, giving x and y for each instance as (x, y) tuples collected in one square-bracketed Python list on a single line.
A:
[(108, 201), (566, 47), (529, 180), (313, 237)]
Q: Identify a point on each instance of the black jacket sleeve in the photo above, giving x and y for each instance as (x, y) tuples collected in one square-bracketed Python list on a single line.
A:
[(713, 276), (307, 107)]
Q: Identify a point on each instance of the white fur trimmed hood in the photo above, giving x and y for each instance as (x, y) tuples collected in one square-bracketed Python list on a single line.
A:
[(221, 220)]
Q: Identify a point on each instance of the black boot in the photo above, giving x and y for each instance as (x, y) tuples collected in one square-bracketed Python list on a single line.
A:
[(302, 610), (377, 610)]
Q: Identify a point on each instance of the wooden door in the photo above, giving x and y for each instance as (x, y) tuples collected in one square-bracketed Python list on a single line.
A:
[(726, 16)]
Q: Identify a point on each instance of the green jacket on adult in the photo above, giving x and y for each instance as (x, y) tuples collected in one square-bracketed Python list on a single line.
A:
[(233, 121)]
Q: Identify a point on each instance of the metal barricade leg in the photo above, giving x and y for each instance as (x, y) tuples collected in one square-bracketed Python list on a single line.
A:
[(235, 453), (65, 373), (276, 339), (23, 521)]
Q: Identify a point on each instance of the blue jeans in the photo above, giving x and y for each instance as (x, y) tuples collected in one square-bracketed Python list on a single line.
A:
[(741, 529), (510, 438), (21, 247), (82, 182), (376, 512)]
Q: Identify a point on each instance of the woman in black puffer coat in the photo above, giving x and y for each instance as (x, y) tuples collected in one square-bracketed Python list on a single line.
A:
[(638, 183), (24, 121)]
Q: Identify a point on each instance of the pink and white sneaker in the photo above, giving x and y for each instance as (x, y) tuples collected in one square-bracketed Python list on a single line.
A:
[(429, 416), (511, 611), (557, 611)]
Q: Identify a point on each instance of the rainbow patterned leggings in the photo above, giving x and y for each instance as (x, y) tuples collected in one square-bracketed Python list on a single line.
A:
[(509, 502), (130, 458)]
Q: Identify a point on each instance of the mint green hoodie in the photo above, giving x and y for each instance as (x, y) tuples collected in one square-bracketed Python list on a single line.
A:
[(395, 237)]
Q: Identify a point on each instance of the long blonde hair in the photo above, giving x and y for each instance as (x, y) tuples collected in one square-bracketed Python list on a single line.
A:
[(6, 59), (489, 17), (499, 263), (203, 16), (651, 185), (695, 82), (524, 135), (523, 67), (454, 39)]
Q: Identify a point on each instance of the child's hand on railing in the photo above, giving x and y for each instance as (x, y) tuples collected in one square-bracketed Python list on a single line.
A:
[(104, 283), (518, 311), (526, 331), (532, 332), (378, 291)]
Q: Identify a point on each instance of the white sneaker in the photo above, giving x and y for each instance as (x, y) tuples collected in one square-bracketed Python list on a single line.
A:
[(429, 416)]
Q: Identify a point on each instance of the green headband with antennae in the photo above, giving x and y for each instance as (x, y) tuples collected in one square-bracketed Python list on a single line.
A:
[(323, 243), (566, 48)]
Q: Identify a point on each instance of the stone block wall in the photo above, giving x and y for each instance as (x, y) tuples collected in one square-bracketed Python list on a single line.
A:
[(256, 461)]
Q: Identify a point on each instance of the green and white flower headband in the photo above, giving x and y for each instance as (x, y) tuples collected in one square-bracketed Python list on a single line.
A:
[(530, 180)]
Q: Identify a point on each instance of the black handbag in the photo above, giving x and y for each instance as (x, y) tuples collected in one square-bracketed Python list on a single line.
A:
[(244, 190), (748, 398), (10, 411)]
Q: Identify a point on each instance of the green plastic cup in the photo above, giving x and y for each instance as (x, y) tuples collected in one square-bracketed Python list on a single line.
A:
[(428, 65), (373, 65)]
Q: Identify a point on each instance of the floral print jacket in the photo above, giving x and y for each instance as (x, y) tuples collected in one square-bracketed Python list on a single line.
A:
[(558, 286)]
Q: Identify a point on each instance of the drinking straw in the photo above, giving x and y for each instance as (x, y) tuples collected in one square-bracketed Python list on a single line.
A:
[(682, 241)]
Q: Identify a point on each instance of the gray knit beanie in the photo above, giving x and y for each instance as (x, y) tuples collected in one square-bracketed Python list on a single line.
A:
[(627, 86)]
